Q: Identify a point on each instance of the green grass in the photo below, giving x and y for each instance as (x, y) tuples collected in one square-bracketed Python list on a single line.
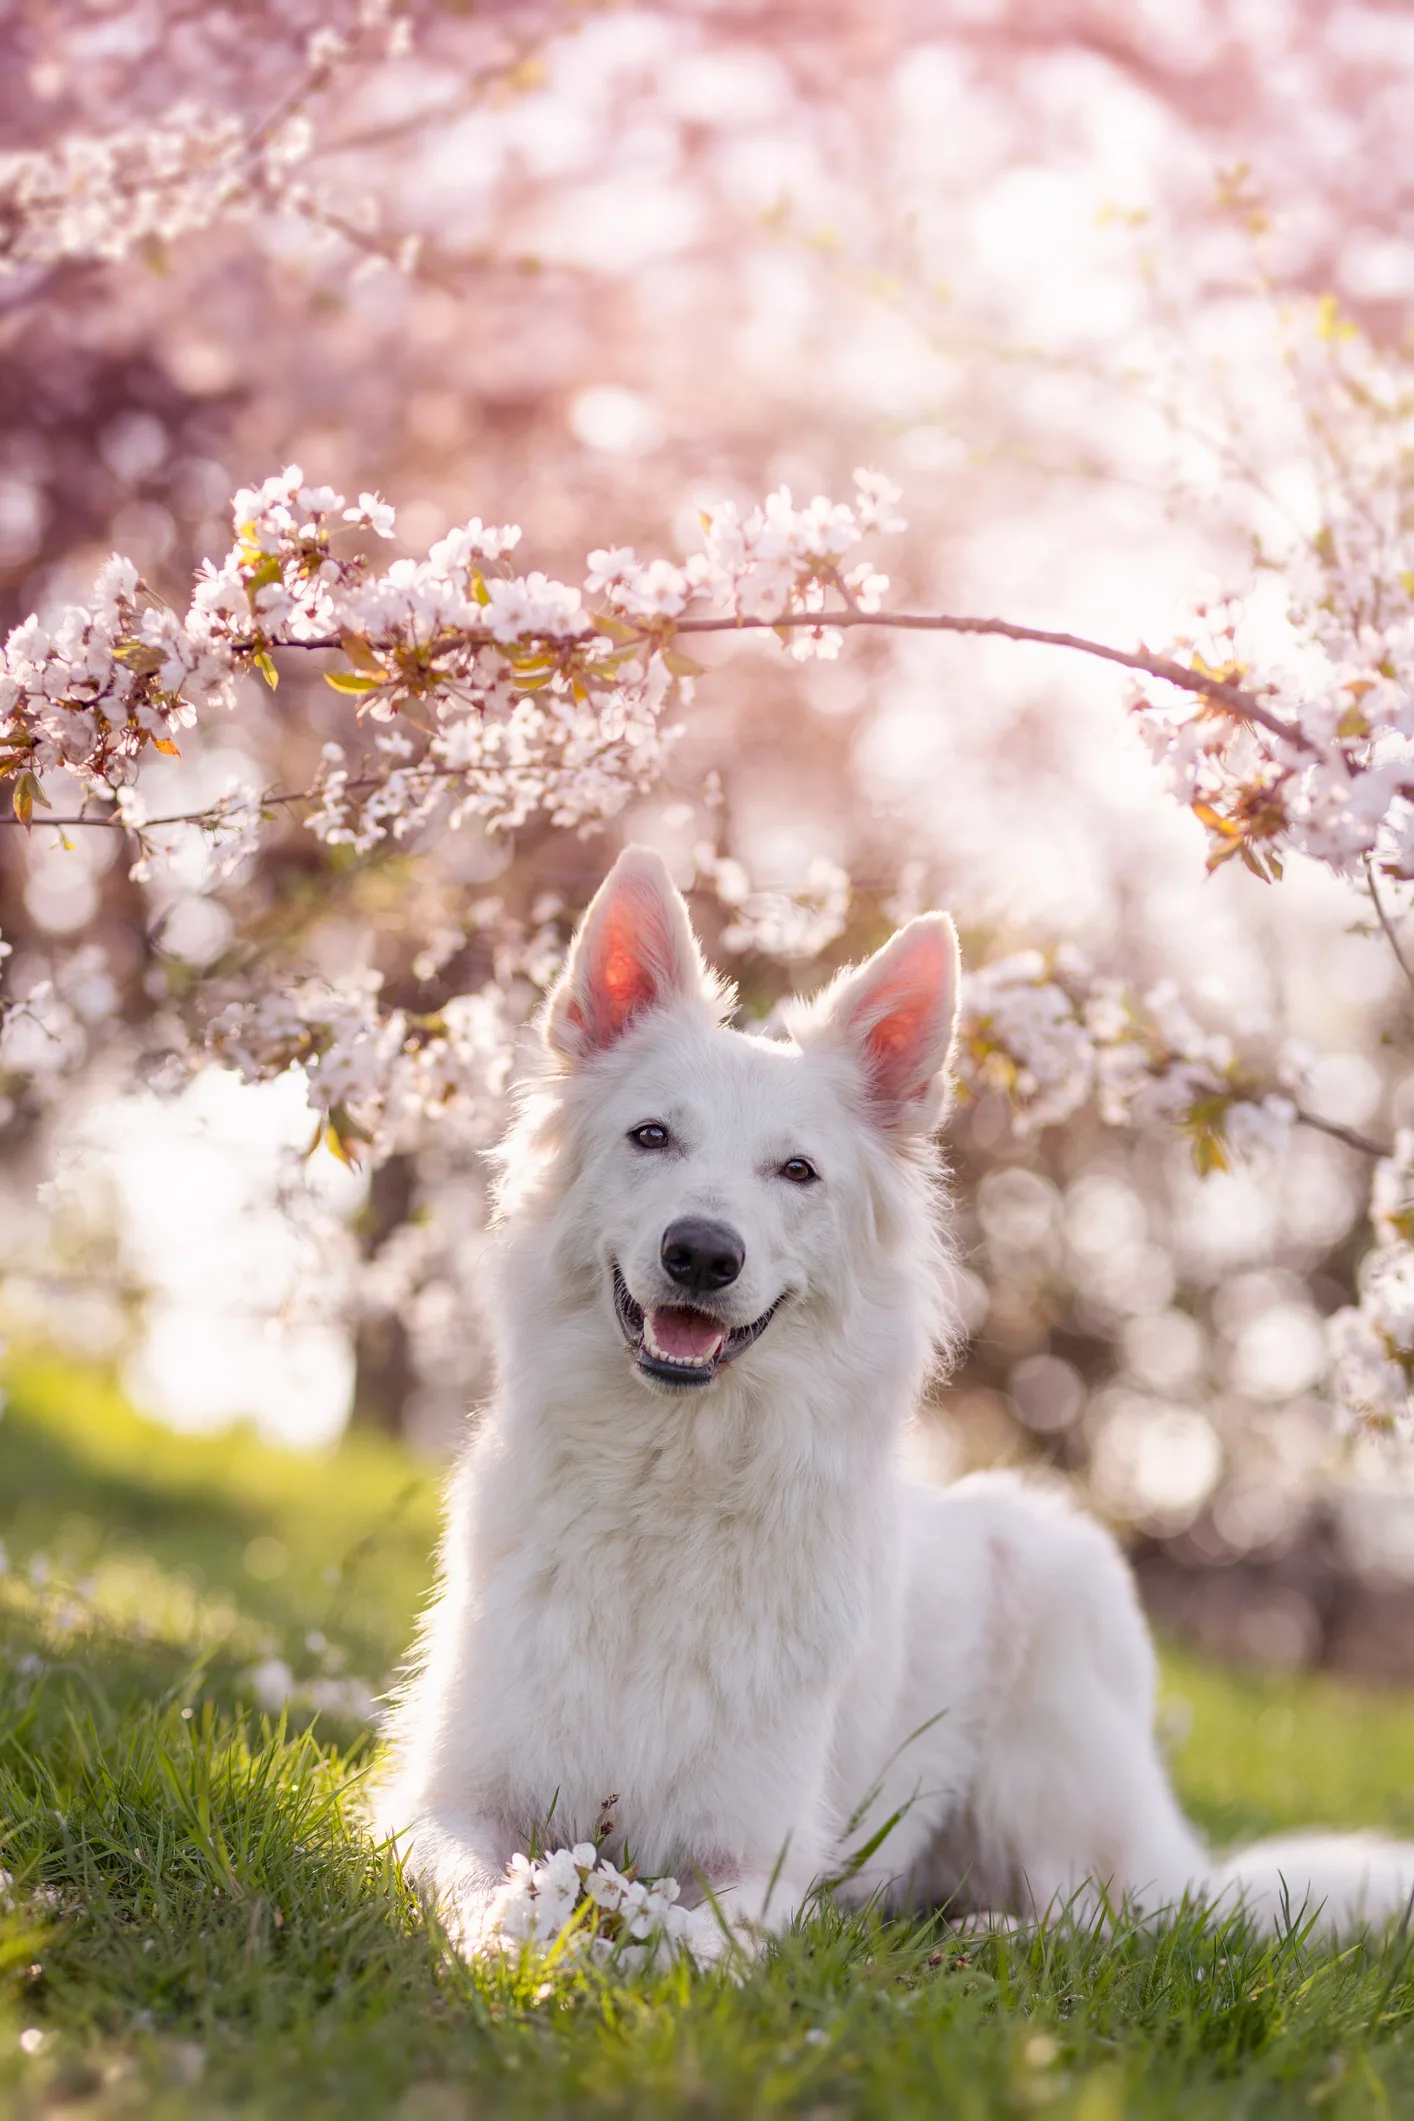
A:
[(197, 1929)]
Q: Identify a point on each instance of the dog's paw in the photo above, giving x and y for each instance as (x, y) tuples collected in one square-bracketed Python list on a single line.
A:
[(471, 1919)]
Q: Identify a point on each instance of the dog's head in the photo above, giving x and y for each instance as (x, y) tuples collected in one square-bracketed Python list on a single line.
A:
[(713, 1199)]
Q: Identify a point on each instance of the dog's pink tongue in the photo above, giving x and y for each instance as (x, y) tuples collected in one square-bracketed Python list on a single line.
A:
[(691, 1334)]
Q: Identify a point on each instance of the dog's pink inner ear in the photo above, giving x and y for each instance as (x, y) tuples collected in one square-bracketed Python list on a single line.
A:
[(635, 953), (625, 974), (892, 1049), (901, 1013)]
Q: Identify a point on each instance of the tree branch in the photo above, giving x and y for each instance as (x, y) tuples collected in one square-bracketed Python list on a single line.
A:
[(1391, 934), (1246, 705), (1352, 1138), (213, 814)]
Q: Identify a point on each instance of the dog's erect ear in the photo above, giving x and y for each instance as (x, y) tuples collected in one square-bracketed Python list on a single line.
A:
[(896, 1014), (633, 951)]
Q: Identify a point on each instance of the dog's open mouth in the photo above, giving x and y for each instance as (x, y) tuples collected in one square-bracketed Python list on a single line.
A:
[(676, 1345)]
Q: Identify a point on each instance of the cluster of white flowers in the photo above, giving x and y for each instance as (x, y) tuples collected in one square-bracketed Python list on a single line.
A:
[(788, 925), (48, 1028), (1052, 1037), (775, 561), (1372, 1346), (88, 693), (1392, 1193), (107, 196), (1022, 1033), (1333, 787), (377, 1078), (524, 699), (779, 559), (1372, 1341), (580, 1897), (1326, 766)]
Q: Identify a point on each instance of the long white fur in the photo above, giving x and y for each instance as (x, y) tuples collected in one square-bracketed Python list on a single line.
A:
[(724, 1606)]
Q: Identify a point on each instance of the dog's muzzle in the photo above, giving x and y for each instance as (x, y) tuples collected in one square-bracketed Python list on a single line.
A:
[(676, 1344)]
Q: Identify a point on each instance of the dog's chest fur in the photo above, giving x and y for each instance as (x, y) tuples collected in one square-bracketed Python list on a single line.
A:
[(694, 1591)]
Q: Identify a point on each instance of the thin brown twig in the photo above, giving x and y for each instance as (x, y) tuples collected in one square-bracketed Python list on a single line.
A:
[(1351, 1136), (113, 823), (1243, 703), (1381, 914)]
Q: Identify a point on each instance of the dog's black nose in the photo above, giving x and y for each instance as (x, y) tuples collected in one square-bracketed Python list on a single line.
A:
[(702, 1256)]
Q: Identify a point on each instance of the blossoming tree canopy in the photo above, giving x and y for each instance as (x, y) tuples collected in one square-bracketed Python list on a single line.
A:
[(502, 695), (326, 817)]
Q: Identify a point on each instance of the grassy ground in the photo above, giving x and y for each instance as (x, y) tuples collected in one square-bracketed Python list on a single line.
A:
[(195, 1928)]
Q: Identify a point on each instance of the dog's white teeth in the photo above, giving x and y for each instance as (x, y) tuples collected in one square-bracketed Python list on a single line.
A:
[(704, 1361)]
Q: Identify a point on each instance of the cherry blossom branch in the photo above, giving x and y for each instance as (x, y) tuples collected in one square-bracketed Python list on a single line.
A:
[(1221, 691), (1246, 705), (214, 812), (532, 694), (1351, 1136), (93, 198), (1382, 915), (1343, 794), (536, 695)]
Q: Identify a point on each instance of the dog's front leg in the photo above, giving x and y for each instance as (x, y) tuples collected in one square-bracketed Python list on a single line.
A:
[(460, 1868)]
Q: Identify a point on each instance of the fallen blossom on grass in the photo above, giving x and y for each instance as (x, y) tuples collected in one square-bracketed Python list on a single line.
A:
[(575, 1900)]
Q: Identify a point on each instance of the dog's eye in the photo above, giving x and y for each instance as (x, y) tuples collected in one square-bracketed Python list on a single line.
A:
[(799, 1170), (652, 1136)]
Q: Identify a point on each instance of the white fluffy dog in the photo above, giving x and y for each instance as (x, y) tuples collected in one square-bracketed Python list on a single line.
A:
[(682, 1566)]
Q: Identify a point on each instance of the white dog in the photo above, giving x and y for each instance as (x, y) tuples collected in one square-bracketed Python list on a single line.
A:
[(682, 1567)]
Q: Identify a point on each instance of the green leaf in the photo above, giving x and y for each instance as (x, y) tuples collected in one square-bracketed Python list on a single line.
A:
[(1209, 1153), (616, 629), (265, 664), (261, 576), (341, 1134), (337, 1146), (28, 792), (351, 681), (360, 654), (140, 657), (1266, 869)]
